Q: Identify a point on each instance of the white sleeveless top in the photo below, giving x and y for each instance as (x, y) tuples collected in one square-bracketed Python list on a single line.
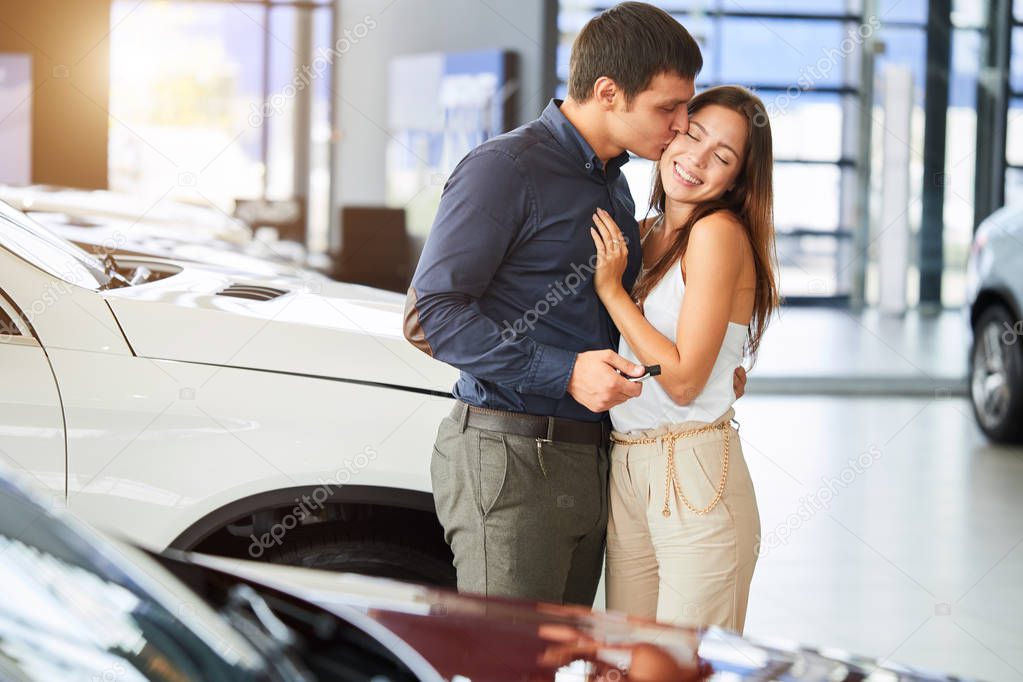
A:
[(654, 407)]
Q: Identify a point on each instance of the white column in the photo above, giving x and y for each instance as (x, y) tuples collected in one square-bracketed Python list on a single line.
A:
[(893, 227)]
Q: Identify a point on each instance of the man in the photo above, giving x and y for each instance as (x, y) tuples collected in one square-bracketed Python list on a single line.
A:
[(504, 292)]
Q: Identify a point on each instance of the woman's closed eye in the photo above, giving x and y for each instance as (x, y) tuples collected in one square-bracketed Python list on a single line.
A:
[(716, 155)]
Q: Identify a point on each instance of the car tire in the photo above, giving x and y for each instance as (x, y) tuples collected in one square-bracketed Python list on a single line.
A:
[(385, 557), (996, 375)]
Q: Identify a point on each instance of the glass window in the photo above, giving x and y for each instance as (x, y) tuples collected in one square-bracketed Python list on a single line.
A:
[(321, 133), (194, 117), (571, 18), (835, 7), (1016, 61), (905, 47), (1014, 185), (903, 11), (185, 81), (806, 196), (960, 161), (640, 175), (806, 125), (16, 119), (797, 49), (807, 266), (1014, 133), (282, 97), (563, 53), (291, 80), (969, 13)]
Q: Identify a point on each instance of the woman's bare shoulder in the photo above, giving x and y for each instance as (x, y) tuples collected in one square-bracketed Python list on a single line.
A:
[(719, 229), (721, 241)]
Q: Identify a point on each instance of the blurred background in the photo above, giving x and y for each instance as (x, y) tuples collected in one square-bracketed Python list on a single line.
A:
[(318, 134), (318, 106)]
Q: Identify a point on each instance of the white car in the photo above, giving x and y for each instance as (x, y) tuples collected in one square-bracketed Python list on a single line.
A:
[(181, 405), (994, 310)]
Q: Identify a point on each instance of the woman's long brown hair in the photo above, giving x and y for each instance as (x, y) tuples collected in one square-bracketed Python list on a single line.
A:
[(751, 201)]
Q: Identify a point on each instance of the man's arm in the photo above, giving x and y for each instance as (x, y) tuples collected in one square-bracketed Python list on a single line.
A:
[(486, 206)]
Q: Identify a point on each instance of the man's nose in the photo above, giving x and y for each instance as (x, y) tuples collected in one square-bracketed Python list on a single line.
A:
[(681, 122)]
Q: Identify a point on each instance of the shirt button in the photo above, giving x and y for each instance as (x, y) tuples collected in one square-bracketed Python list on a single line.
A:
[(589, 166)]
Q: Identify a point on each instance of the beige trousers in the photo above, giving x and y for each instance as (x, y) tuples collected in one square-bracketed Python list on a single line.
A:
[(685, 568)]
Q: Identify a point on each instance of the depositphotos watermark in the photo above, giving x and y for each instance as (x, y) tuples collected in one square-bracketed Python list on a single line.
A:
[(557, 292), (306, 505), (819, 500), (305, 76), (1012, 333), (810, 75)]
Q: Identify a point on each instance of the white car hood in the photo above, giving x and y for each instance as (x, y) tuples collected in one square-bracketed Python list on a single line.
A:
[(318, 328)]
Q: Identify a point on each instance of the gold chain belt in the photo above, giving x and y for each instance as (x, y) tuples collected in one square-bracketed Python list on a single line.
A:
[(671, 480)]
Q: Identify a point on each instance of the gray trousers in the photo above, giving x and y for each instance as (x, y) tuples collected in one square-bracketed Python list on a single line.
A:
[(523, 519)]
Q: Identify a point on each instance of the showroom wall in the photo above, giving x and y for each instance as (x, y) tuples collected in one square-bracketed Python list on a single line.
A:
[(70, 57), (408, 27)]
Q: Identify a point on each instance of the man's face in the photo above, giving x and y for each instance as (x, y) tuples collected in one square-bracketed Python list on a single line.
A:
[(649, 125)]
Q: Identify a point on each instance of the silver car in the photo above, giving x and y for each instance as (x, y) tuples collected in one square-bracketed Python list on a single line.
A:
[(994, 294)]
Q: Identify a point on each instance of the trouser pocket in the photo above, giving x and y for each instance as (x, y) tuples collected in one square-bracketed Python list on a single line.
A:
[(489, 461)]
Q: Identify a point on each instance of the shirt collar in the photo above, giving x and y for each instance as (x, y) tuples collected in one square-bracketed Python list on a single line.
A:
[(573, 142)]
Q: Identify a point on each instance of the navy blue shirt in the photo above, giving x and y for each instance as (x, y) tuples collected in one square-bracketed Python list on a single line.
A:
[(504, 288)]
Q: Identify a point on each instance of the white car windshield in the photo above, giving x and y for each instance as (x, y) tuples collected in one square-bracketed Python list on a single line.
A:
[(33, 243)]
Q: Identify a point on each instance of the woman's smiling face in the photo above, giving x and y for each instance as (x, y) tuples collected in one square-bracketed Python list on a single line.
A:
[(702, 164)]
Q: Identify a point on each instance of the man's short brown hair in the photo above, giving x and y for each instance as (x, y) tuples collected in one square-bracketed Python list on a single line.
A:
[(631, 43)]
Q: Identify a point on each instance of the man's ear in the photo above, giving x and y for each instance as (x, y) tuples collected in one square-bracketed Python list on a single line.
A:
[(604, 92)]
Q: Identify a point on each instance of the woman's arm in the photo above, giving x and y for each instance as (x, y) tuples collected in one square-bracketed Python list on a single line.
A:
[(714, 260)]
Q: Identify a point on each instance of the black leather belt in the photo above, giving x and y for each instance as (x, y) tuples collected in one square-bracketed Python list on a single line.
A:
[(534, 426)]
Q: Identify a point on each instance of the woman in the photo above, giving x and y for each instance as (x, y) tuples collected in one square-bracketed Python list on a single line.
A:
[(684, 527)]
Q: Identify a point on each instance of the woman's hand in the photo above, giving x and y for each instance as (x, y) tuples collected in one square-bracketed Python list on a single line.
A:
[(612, 255)]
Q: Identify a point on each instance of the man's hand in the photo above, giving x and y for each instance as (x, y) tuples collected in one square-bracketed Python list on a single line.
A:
[(597, 386), (739, 382)]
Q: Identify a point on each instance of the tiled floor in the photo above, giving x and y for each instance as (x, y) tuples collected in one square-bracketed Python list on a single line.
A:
[(915, 553)]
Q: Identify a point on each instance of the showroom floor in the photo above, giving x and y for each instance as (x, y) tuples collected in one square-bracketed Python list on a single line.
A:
[(917, 557), (916, 551)]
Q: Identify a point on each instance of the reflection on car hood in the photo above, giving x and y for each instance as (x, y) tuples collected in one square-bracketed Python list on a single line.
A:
[(500, 639), (315, 327), (104, 204), (102, 234)]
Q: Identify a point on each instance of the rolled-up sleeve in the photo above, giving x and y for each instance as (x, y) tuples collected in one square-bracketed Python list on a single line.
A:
[(487, 205)]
